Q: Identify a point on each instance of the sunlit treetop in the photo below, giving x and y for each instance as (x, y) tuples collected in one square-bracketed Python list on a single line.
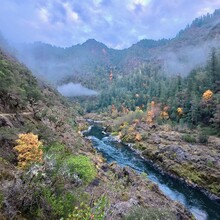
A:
[(207, 95), (179, 111)]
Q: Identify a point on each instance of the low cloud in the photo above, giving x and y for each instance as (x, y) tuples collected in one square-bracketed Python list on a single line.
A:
[(188, 58), (71, 89)]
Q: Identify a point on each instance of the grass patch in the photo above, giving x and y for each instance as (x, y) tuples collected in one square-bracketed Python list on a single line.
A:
[(188, 138), (203, 138), (210, 131)]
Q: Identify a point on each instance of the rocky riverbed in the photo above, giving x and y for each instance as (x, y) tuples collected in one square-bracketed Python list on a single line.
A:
[(177, 153)]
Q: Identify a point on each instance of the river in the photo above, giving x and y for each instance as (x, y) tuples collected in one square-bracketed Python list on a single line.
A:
[(195, 201)]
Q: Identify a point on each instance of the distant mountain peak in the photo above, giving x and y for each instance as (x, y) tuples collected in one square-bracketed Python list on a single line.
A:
[(93, 43), (92, 40)]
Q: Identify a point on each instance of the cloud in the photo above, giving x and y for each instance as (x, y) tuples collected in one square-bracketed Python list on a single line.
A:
[(43, 14), (118, 24), (71, 14), (71, 89), (137, 5)]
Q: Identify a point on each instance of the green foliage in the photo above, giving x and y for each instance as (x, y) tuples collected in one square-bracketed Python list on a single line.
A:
[(56, 149), (141, 213), (82, 166), (65, 162), (210, 131), (189, 138), (34, 93), (215, 187), (210, 163), (60, 204), (97, 211), (56, 204), (203, 138), (57, 152), (17, 84)]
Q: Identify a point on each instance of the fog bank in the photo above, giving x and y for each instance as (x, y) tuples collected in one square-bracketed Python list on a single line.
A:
[(71, 89)]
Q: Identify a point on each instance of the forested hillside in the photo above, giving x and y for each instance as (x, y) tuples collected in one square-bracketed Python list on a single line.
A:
[(196, 96)]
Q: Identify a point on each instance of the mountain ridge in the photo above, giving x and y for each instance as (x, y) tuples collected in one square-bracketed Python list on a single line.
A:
[(189, 49)]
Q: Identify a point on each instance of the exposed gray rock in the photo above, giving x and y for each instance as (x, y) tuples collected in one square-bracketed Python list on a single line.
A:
[(4, 121), (122, 208)]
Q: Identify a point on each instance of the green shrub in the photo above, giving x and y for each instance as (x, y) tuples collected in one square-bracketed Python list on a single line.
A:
[(141, 213), (60, 205), (34, 93), (55, 203), (203, 138), (189, 138), (211, 131), (57, 152), (82, 166)]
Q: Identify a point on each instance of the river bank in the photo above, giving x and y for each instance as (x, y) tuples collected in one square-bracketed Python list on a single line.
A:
[(196, 164), (126, 189)]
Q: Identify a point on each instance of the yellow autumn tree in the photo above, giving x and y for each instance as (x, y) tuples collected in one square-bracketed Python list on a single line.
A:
[(151, 113), (207, 95), (164, 114), (149, 117), (138, 137), (29, 150), (179, 111)]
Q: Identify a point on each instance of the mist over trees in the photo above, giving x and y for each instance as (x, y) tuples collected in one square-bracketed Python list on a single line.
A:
[(196, 94)]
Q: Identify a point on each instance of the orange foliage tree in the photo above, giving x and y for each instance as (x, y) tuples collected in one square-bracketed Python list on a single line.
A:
[(164, 114), (149, 117), (138, 137), (152, 111), (29, 149), (207, 95)]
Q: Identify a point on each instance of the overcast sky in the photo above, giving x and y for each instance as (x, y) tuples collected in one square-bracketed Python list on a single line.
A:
[(117, 23)]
